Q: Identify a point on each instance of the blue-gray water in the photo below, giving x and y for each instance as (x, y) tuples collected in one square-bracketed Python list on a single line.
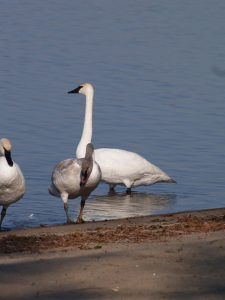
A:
[(158, 71)]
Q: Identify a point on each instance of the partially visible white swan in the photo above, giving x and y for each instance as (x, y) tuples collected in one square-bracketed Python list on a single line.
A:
[(72, 178), (12, 183), (119, 167)]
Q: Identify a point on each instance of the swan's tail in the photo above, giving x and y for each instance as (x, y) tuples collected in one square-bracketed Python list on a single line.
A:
[(53, 191), (170, 181)]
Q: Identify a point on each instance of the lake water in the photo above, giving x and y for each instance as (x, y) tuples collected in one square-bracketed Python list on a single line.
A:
[(158, 68)]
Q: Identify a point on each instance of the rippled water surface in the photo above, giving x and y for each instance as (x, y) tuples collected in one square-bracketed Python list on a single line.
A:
[(158, 68)]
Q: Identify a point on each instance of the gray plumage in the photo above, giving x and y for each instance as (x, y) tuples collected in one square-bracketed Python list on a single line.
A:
[(72, 178)]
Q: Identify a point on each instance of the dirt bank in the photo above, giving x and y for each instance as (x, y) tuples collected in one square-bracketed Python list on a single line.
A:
[(94, 234)]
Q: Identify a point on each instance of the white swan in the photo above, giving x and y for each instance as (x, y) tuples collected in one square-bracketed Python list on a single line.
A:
[(12, 183), (72, 178), (119, 167)]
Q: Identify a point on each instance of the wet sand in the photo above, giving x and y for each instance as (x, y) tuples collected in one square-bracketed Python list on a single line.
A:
[(158, 257)]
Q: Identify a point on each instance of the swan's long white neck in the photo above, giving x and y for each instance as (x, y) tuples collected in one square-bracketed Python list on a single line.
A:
[(87, 129)]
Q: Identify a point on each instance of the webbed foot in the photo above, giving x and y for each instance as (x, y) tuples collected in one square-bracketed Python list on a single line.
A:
[(80, 220), (69, 221)]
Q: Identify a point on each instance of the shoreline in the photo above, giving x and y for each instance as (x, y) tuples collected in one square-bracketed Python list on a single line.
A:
[(129, 230), (175, 256)]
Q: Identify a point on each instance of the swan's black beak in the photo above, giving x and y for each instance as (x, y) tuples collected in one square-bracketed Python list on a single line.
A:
[(8, 157), (75, 91)]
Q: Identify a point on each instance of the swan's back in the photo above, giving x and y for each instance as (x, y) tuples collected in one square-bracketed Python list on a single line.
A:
[(119, 165), (125, 160)]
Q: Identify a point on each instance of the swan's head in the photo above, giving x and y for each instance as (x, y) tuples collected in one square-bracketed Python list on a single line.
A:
[(85, 89), (5, 150)]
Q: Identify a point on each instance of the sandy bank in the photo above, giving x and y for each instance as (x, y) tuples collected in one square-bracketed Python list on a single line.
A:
[(131, 230), (177, 256)]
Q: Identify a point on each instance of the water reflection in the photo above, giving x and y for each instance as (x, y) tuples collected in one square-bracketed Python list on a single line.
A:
[(120, 205), (98, 208)]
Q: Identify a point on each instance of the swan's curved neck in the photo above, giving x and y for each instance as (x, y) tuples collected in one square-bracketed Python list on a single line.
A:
[(87, 129)]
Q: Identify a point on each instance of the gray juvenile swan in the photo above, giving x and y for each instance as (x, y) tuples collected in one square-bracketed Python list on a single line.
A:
[(119, 167), (72, 178), (12, 183)]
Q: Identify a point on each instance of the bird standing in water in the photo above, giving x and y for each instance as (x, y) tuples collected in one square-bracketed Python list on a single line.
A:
[(72, 178)]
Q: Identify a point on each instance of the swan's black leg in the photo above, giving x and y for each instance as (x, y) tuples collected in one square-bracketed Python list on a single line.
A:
[(128, 191), (111, 189), (80, 219), (3, 213)]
